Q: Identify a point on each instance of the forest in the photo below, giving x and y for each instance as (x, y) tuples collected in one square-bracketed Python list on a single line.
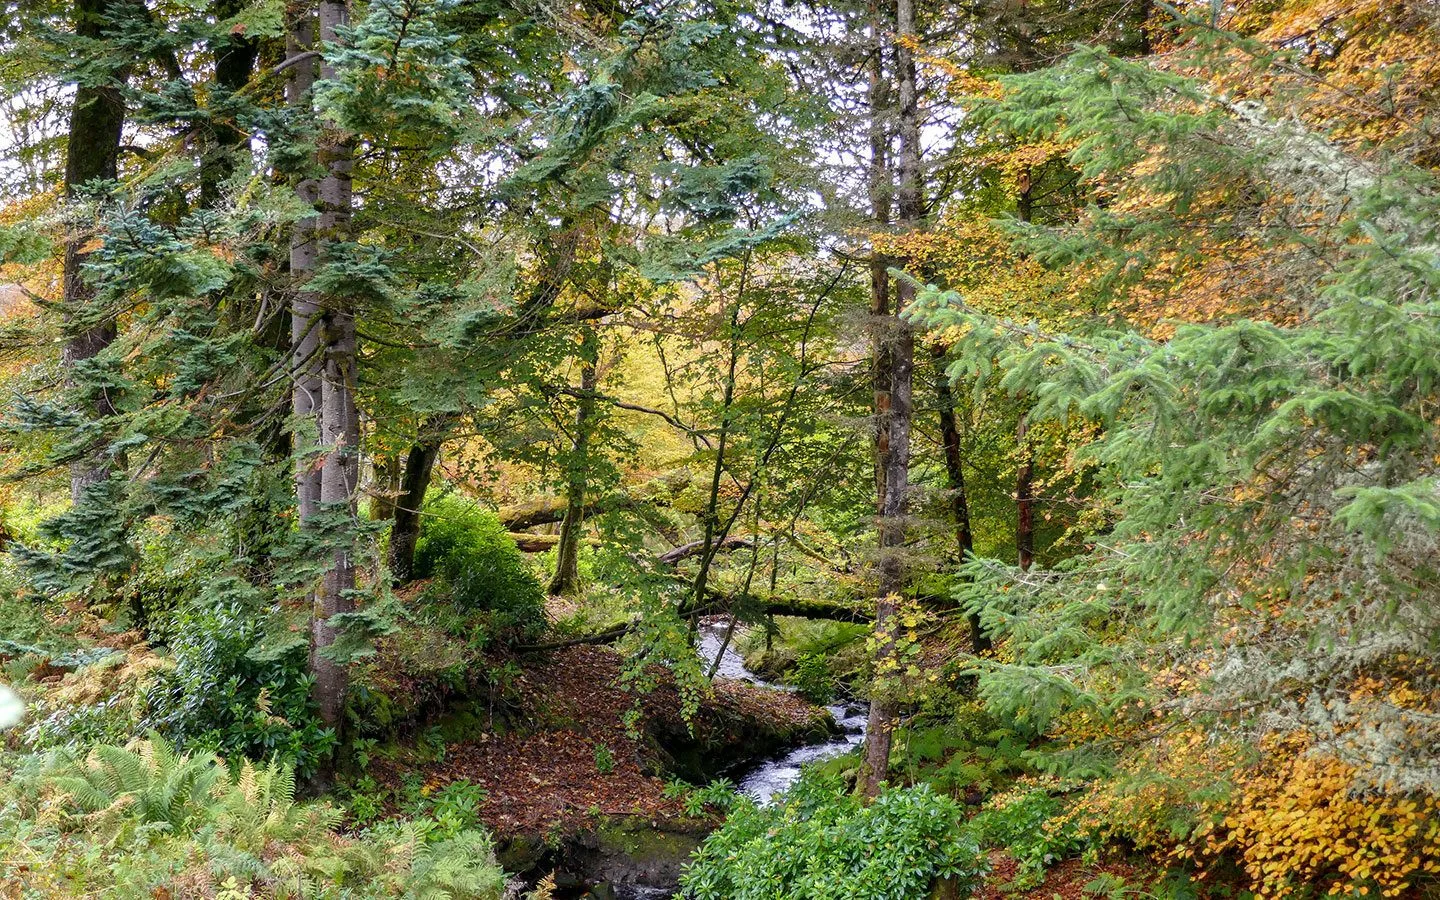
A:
[(720, 449)]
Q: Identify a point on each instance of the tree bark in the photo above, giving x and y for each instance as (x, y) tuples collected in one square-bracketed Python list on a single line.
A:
[(880, 188), (1024, 498), (92, 153), (324, 357), (910, 211), (405, 527), (235, 56), (339, 418), (305, 356), (955, 482), (567, 557)]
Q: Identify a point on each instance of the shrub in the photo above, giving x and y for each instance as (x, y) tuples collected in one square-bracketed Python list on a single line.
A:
[(147, 821), (825, 843), (1030, 825), (477, 566), (231, 693), (1160, 792), (812, 678), (1301, 820)]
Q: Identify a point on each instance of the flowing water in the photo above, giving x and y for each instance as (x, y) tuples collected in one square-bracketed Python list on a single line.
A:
[(766, 779), (762, 781)]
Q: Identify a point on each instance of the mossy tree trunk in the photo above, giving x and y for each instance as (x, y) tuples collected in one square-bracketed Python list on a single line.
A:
[(567, 555), (893, 511)]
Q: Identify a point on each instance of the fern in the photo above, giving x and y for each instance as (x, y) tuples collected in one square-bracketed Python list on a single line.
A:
[(544, 889), (244, 826), (461, 868), (259, 806), (151, 783)]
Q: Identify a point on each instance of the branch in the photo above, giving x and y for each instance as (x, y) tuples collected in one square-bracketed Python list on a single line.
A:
[(685, 551), (635, 407), (296, 60)]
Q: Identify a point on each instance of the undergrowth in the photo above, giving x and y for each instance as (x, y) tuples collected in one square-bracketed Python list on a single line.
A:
[(146, 821)]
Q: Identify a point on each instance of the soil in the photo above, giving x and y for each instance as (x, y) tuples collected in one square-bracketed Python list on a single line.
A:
[(1063, 881), (570, 759)]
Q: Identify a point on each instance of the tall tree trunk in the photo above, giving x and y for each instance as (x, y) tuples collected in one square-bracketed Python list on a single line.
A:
[(1025, 474), (910, 210), (235, 56), (325, 349), (339, 418), (567, 555), (97, 118), (955, 478), (880, 188), (305, 327)]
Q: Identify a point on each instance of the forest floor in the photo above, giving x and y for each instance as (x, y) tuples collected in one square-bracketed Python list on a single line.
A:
[(575, 760), (1066, 880)]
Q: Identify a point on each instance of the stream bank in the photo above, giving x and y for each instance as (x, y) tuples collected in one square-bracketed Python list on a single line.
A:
[(761, 779), (567, 788)]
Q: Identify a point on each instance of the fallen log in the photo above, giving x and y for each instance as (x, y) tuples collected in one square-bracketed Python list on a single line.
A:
[(539, 511), (685, 551), (534, 543), (539, 543), (821, 609), (549, 510), (800, 609)]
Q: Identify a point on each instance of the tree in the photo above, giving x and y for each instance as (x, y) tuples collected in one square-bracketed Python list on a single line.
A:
[(92, 157), (567, 553), (910, 209), (323, 352), (1263, 473)]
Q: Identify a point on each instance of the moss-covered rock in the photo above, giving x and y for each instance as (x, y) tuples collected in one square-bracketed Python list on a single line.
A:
[(636, 851)]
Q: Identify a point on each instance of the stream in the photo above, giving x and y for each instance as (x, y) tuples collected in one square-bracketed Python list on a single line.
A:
[(761, 780), (764, 780)]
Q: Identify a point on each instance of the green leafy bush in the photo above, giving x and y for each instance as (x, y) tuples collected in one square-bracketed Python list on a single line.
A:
[(823, 842), (477, 567), (230, 692), (813, 679), (455, 809), (964, 750)]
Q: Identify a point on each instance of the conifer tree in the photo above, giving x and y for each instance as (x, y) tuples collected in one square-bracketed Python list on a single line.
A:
[(910, 210), (92, 156), (323, 347)]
